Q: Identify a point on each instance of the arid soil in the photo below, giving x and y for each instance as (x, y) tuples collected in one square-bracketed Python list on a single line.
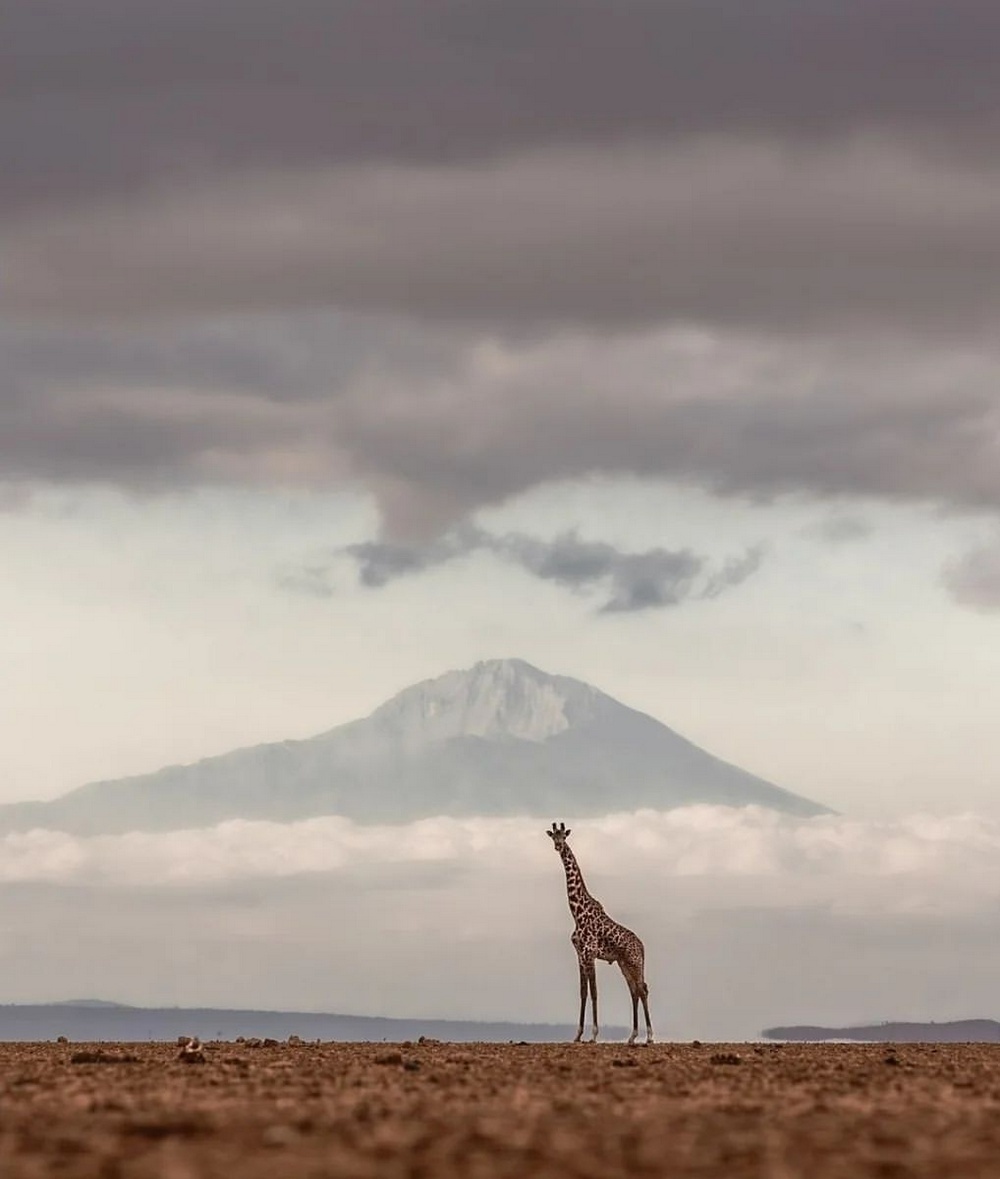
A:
[(251, 1111)]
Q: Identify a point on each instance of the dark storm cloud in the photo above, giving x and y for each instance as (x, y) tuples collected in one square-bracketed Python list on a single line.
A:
[(103, 94), (631, 581), (635, 581), (447, 251), (380, 562), (284, 358), (436, 426), (782, 164), (862, 237), (744, 418), (230, 399)]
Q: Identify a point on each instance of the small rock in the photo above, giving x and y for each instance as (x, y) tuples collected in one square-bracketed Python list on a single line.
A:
[(61, 1040), (270, 1043), (389, 1058), (696, 1043), (725, 1058), (279, 1136), (191, 1050), (295, 1041)]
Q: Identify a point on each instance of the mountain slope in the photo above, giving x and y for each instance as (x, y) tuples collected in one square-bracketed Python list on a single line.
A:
[(502, 738)]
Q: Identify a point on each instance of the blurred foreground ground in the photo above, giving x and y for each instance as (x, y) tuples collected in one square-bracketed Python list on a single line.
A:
[(367, 1110)]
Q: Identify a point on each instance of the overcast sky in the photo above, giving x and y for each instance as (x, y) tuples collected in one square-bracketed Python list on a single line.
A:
[(653, 341)]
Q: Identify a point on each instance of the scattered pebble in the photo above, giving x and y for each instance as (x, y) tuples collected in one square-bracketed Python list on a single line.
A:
[(191, 1050), (280, 1136)]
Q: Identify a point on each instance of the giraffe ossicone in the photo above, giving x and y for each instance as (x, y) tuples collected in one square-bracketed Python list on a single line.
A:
[(596, 936)]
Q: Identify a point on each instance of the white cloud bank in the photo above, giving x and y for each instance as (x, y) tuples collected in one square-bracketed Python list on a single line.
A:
[(747, 854), (750, 919)]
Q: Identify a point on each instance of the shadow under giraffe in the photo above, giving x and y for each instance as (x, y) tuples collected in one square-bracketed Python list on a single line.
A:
[(595, 936)]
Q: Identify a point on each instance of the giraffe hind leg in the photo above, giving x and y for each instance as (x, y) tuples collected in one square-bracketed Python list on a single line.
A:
[(635, 1011), (639, 992), (644, 995)]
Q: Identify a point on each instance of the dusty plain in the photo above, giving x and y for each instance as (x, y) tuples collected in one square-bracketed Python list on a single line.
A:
[(249, 1111)]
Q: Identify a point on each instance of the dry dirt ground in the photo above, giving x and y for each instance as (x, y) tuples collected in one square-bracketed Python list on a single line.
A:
[(316, 1110)]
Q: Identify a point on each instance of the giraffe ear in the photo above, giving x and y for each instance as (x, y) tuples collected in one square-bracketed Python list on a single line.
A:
[(567, 833)]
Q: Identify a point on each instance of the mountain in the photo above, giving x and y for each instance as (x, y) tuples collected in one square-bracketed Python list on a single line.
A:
[(502, 738), (958, 1031)]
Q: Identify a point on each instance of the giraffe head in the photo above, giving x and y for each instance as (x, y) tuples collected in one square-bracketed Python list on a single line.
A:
[(559, 834)]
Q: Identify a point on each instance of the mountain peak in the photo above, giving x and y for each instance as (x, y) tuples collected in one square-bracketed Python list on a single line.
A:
[(494, 699)]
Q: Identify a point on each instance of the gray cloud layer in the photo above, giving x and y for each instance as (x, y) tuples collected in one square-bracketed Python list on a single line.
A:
[(436, 425), (103, 94), (452, 251), (863, 236), (632, 581)]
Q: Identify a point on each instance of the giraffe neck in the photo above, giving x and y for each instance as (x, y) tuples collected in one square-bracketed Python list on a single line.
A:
[(576, 890)]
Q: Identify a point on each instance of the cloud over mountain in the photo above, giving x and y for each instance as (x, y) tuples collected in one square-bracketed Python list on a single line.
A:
[(632, 581)]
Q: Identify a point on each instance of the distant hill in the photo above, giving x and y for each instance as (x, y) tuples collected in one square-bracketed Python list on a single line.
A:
[(502, 738), (959, 1031), (93, 1021)]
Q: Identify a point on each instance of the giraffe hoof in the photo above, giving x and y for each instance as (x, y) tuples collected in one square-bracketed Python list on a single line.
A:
[(631, 1040)]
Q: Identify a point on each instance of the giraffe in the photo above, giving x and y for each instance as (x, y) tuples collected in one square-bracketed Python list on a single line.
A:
[(597, 936)]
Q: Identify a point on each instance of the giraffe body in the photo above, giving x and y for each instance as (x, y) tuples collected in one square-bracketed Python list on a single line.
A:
[(597, 936)]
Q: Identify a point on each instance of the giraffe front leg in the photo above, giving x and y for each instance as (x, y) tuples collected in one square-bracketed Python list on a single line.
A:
[(592, 976), (583, 1002)]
